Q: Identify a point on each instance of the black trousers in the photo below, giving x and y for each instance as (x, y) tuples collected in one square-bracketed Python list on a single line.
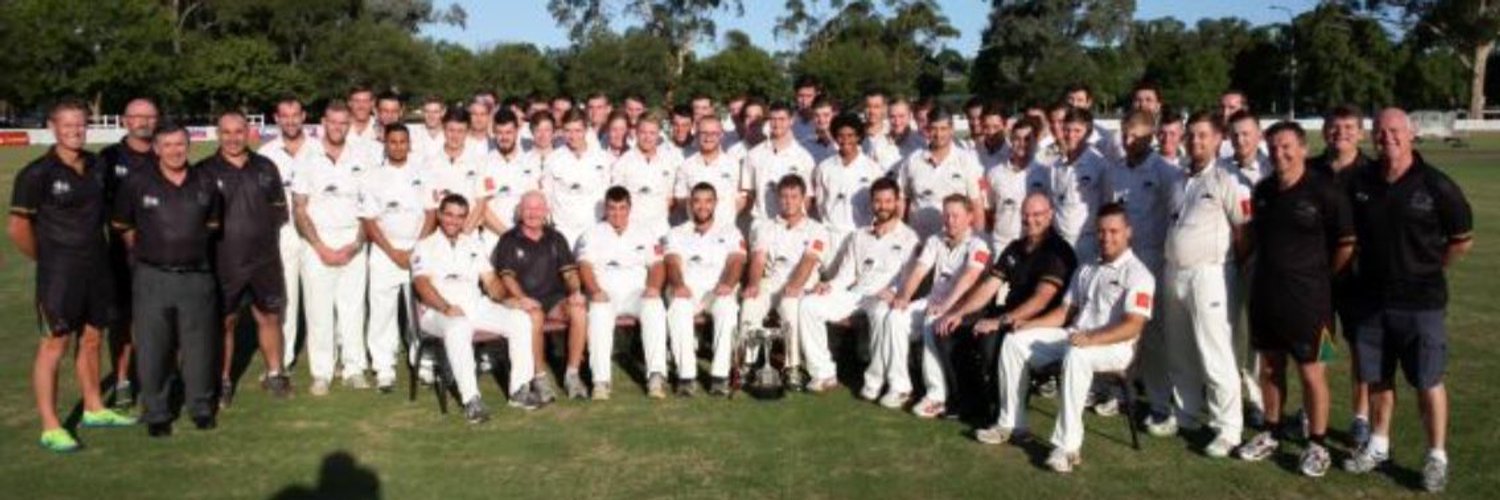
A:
[(972, 381), (175, 318)]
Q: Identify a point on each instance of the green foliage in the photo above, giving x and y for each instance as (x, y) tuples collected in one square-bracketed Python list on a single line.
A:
[(617, 64), (106, 52), (236, 72), (740, 68), (860, 49)]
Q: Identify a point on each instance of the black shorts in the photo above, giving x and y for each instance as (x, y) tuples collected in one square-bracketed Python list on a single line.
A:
[(550, 301), (69, 297), (119, 266), (1299, 326), (1417, 340), (263, 286)]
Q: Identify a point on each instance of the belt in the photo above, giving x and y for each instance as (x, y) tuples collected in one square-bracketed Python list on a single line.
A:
[(177, 269)]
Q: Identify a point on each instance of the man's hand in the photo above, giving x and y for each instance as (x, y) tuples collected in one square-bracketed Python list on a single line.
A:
[(887, 296), (723, 290), (453, 311), (821, 289), (1078, 338), (900, 304), (599, 296), (326, 255), (948, 323), (402, 258), (986, 326), (576, 299), (529, 304), (791, 292), (935, 310)]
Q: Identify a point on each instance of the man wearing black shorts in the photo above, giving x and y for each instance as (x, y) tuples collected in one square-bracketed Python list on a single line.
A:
[(168, 216), (132, 153), (254, 211), (1413, 222), (1302, 236), (536, 265), (57, 214)]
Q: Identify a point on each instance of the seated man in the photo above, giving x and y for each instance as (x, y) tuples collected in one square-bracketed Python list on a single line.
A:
[(704, 264), (955, 258), (785, 256), (869, 264), (1035, 268), (447, 267), (536, 266), (1107, 305), (622, 272)]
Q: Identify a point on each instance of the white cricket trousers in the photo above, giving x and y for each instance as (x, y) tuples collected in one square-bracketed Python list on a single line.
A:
[(651, 315), (725, 315), (1038, 347), (1249, 363), (292, 250), (335, 309), (1201, 348), (755, 309), (812, 325), (387, 282), (889, 351), (458, 342)]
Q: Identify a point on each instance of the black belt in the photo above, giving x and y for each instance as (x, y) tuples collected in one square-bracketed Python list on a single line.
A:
[(177, 269)]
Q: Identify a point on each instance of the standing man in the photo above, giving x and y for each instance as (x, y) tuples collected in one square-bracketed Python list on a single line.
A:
[(599, 109), (363, 125), (1077, 184), (132, 153), (1302, 236), (455, 168), (291, 151), (928, 178), (771, 161), (574, 180), (325, 200), (57, 218), (807, 91), (869, 265), (647, 173), (1146, 98), (842, 184), (620, 264), (168, 217), (705, 260), (428, 138), (389, 110), (682, 139), (509, 172), (537, 267), (786, 256), (821, 144), (1412, 222), (1010, 182), (988, 141), (395, 211), (1100, 139), (1250, 165), (1169, 134), (1208, 210), (711, 165), (255, 209)]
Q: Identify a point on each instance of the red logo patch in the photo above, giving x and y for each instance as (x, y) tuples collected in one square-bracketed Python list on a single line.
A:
[(1245, 207), (817, 245), (489, 183), (659, 250), (1143, 300), (982, 257)]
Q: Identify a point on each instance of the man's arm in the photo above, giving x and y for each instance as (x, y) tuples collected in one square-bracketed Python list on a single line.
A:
[(675, 275), (430, 297), (304, 224), (1054, 318), (734, 269), (590, 282), (429, 222), (1127, 329), (800, 274), (377, 237), (21, 234), (965, 281), (490, 283), (655, 277), (1035, 304), (757, 270), (493, 222), (977, 298)]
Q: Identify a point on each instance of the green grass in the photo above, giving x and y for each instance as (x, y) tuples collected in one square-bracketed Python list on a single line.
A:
[(804, 446)]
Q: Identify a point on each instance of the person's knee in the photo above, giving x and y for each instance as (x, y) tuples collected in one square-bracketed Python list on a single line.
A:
[(54, 345)]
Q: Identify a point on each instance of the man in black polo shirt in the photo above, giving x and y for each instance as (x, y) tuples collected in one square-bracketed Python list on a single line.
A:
[(132, 153), (168, 216), (536, 265), (254, 210), (1412, 222), (1037, 268), (1343, 130), (1301, 236), (57, 214)]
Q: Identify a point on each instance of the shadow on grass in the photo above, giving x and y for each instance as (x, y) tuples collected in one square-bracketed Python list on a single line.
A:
[(340, 477)]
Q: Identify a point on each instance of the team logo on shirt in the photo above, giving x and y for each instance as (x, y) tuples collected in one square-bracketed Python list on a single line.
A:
[(149, 201), (61, 187), (1085, 180), (331, 188), (121, 170), (356, 168), (416, 181), (613, 264), (696, 259), (392, 205), (1421, 201), (956, 176), (520, 253), (645, 190)]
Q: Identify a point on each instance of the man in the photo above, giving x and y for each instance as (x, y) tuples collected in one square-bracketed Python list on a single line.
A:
[(1076, 183), (841, 184), (1101, 139), (1106, 306), (574, 180), (255, 209), (905, 137), (867, 266), (1146, 98), (807, 91), (1302, 235), (988, 139), (635, 106), (1341, 161), (712, 165), (1169, 133), (771, 161), (292, 152), (537, 267), (1050, 148), (973, 108), (620, 264), (479, 129), (132, 153), (876, 125), (1033, 270), (1412, 222), (509, 171), (461, 293), (168, 217), (786, 256), (615, 137), (942, 170), (1208, 213), (396, 210), (647, 172), (750, 128), (1249, 165), (682, 140), (57, 218), (820, 142), (598, 109), (703, 107), (325, 201), (1010, 182), (1231, 103), (363, 124), (704, 263), (955, 258), (456, 168), (428, 138), (389, 110)]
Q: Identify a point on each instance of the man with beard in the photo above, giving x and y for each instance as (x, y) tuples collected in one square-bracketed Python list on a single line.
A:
[(132, 153), (705, 260), (292, 152)]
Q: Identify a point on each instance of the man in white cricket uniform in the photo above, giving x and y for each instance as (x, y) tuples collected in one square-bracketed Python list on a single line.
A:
[(989, 139), (1077, 185), (455, 167), (623, 275), (1250, 164), (362, 122), (715, 167), (1009, 182), (1101, 139), (869, 265), (648, 171), (574, 180), (1110, 302), (930, 176), (768, 162), (291, 151), (396, 210), (786, 256), (326, 200), (841, 184), (428, 137), (956, 257), (1209, 210), (509, 172), (705, 260), (454, 278)]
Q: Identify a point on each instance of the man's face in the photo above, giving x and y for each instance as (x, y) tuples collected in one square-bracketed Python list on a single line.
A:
[(598, 111), (647, 136), (793, 202), (780, 124), (336, 127), (1022, 145), (848, 140), (900, 117), (505, 137), (69, 127), (1080, 99), (634, 109), (735, 105), (1203, 142), (451, 219), (289, 118), (805, 97), (754, 115), (388, 111), (1170, 137), (682, 128), (234, 135), (991, 129), (875, 109), (940, 134), (702, 108), (576, 135), (1146, 100), (883, 204), (1036, 216), (1246, 138), (822, 118), (1229, 104), (171, 150), (618, 132), (432, 115), (533, 211), (560, 107), (702, 205), (454, 134), (1114, 236), (710, 132), (1075, 135), (542, 135), (956, 219), (397, 146), (1055, 123), (1393, 135), (617, 214), (1138, 139), (1343, 134), (479, 117), (362, 104), (140, 119), (1287, 152)]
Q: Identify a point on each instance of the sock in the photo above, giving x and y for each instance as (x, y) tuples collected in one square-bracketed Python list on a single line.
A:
[(1318, 439), (1438, 454), (1380, 445), (1362, 417), (572, 372)]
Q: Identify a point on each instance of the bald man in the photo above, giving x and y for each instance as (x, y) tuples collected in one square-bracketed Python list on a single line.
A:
[(536, 265), (132, 153)]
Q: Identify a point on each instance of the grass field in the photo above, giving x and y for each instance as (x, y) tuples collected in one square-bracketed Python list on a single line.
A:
[(352, 444)]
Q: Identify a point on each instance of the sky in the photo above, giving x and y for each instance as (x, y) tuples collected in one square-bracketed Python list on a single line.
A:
[(499, 21)]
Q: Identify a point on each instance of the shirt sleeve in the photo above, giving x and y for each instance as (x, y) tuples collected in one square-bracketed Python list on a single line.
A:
[(1141, 294), (1455, 215), (1340, 219), (369, 204), (735, 241), (758, 236), (123, 218), (215, 219), (978, 184), (275, 194), (1237, 203), (421, 261), (302, 184), (679, 182), (928, 257), (979, 253), (1055, 270), (1074, 296), (585, 251), (28, 194), (566, 260), (503, 257)]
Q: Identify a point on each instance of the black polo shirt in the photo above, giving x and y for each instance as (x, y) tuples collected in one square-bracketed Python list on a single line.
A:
[(1296, 230), (1404, 229), (174, 224), (67, 208), (1323, 164), (1053, 261), (254, 210), (536, 264), (121, 162)]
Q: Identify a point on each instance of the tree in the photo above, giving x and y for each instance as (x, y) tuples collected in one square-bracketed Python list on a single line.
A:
[(236, 72), (108, 52), (1031, 48), (369, 53), (859, 50), (740, 68), (679, 23), (516, 69), (617, 64), (1342, 58), (1469, 27)]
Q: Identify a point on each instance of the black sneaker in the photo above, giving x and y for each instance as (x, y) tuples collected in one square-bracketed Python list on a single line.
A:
[(206, 422), (719, 386), (160, 430), (280, 386), (124, 395), (226, 393), (687, 388), (475, 412), (524, 399)]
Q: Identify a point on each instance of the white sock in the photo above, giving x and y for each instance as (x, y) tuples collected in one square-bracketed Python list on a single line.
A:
[(1361, 417), (1380, 445), (1438, 454)]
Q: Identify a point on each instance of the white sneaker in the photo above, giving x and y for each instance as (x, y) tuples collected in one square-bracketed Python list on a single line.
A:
[(1221, 446), (870, 393), (895, 400), (996, 434), (319, 387), (1365, 460), (928, 408), (1163, 427), (1108, 407), (356, 382), (822, 385), (1315, 461), (1259, 447), (1063, 462)]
